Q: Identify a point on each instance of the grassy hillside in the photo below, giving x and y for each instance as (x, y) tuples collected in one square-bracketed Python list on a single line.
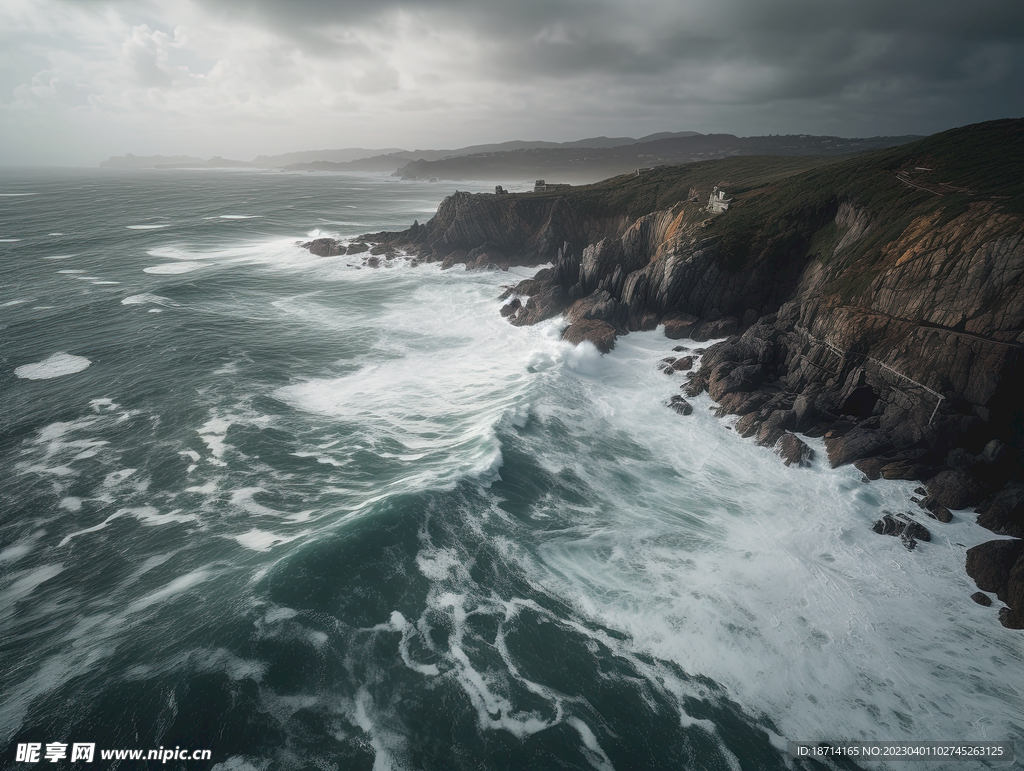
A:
[(787, 205)]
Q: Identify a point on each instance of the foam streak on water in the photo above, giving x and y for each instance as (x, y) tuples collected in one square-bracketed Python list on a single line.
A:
[(355, 519)]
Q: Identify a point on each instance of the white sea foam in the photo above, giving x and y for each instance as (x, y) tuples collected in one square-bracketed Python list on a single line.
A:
[(146, 227), (173, 268), (147, 298), (710, 553), (9, 240), (57, 365), (13, 303), (239, 216), (23, 585), (279, 614), (260, 540), (21, 549), (59, 257), (169, 591)]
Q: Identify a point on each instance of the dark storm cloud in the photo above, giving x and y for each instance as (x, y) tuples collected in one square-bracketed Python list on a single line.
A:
[(803, 49), (289, 73)]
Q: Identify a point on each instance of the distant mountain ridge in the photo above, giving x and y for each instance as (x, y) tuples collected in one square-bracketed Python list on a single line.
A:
[(362, 154), (579, 161)]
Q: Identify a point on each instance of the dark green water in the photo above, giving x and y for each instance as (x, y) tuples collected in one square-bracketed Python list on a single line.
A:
[(310, 515)]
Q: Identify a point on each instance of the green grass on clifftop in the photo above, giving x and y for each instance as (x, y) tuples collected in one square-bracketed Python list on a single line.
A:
[(786, 206)]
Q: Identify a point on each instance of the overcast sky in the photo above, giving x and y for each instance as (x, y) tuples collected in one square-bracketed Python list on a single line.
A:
[(84, 79)]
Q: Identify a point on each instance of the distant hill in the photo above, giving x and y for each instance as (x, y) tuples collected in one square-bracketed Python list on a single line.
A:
[(130, 161), (581, 160), (312, 156), (578, 164)]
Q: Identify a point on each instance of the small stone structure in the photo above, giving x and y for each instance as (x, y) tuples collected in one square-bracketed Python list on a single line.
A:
[(718, 203), (499, 190), (540, 186)]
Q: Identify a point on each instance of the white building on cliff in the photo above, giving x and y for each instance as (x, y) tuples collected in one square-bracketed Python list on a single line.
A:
[(718, 203)]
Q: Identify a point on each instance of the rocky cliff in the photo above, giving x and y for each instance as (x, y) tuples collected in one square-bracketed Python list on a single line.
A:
[(876, 301)]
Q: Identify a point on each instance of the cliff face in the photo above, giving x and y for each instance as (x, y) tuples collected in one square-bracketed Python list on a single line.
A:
[(878, 301), (499, 231)]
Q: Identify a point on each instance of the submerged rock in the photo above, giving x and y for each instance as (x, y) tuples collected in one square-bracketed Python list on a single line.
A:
[(511, 308), (904, 528), (936, 510), (680, 405), (324, 247)]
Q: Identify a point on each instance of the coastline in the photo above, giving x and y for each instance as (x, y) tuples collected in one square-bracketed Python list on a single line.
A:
[(883, 316)]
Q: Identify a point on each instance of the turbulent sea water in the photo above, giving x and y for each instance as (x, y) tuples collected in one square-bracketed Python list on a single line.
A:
[(315, 516)]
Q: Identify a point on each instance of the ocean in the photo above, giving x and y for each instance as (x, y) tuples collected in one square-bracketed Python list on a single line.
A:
[(305, 514)]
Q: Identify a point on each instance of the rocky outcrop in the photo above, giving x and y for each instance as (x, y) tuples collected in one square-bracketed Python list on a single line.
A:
[(600, 333), (998, 567), (904, 528), (481, 230)]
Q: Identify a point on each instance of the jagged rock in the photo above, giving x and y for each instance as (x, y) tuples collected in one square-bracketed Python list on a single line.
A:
[(511, 308), (1011, 619), (906, 469), (748, 425), (772, 429), (357, 248), (600, 306), (373, 262), (935, 510), (1003, 513), (680, 348), (680, 327), (741, 403), (324, 247), (680, 405), (869, 467), (794, 451), (726, 380), (682, 364), (711, 330), (957, 488), (694, 386), (905, 529), (600, 333), (982, 599), (805, 411), (858, 443), (998, 567), (546, 304)]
